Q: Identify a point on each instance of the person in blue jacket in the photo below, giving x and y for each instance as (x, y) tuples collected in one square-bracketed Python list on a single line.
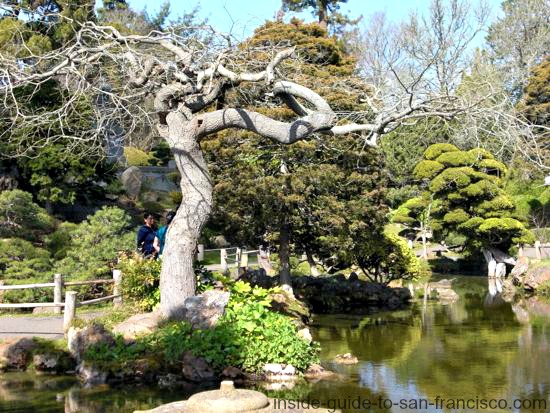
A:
[(161, 234), (146, 237)]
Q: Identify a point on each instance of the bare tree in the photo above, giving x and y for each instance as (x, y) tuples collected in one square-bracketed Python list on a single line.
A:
[(187, 72), (428, 60)]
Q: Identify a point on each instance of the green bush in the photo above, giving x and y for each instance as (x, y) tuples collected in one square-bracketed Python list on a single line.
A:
[(140, 280), (21, 260), (94, 244), (247, 336), (136, 157), (59, 242), (21, 217)]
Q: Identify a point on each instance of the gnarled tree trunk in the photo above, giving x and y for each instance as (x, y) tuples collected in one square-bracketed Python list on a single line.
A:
[(284, 256), (177, 280)]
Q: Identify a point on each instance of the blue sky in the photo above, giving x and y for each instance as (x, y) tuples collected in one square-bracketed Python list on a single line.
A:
[(241, 17)]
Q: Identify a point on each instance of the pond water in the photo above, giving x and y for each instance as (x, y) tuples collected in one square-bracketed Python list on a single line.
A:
[(478, 353)]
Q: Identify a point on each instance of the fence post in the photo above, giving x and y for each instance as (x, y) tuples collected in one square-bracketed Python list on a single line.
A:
[(537, 249), (244, 259), (223, 260), (117, 290), (200, 254), (57, 292), (238, 254), (70, 310)]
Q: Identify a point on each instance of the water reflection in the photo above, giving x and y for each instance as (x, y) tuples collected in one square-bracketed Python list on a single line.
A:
[(476, 347)]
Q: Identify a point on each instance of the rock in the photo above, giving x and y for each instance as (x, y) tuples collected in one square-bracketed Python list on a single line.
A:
[(521, 267), (59, 362), (305, 334), (204, 310), (220, 242), (80, 339), (15, 354), (132, 179), (168, 381), (288, 304), (196, 368), (273, 368), (347, 358), (536, 276), (138, 325), (91, 375), (227, 400), (318, 372), (232, 373), (279, 372)]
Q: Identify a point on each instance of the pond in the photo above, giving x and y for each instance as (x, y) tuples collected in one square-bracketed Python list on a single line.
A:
[(478, 353)]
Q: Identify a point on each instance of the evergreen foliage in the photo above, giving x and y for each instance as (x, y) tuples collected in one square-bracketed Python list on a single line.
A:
[(94, 244), (468, 188), (328, 193), (21, 217)]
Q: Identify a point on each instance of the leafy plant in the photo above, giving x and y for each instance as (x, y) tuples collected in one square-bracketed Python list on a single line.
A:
[(140, 280)]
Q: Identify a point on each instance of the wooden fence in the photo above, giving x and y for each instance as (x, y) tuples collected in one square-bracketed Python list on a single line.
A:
[(235, 257), (538, 250), (71, 300)]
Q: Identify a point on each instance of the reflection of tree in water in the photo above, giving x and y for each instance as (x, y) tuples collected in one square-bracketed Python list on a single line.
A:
[(23, 392)]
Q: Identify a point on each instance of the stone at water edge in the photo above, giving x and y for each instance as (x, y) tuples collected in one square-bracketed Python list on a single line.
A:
[(79, 339), (15, 354), (346, 358), (318, 372), (305, 334), (536, 277), (196, 369)]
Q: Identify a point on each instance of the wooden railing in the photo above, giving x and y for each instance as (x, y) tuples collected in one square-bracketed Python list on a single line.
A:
[(239, 259), (71, 299)]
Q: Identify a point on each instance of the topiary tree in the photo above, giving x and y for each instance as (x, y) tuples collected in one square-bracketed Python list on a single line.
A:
[(415, 215), (468, 187)]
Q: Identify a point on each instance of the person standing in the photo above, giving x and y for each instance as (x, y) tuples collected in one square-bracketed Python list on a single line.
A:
[(161, 235), (146, 237)]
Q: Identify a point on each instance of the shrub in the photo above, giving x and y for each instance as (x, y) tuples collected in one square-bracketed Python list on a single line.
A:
[(21, 217), (95, 243), (140, 280), (248, 336), (19, 259), (136, 157)]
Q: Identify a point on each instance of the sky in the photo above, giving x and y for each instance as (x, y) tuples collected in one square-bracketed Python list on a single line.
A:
[(241, 17)]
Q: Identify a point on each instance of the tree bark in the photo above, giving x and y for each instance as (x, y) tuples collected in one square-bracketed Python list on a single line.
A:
[(177, 280), (313, 270), (284, 256)]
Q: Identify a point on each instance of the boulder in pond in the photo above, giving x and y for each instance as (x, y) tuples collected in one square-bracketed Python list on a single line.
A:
[(346, 358), (80, 339)]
